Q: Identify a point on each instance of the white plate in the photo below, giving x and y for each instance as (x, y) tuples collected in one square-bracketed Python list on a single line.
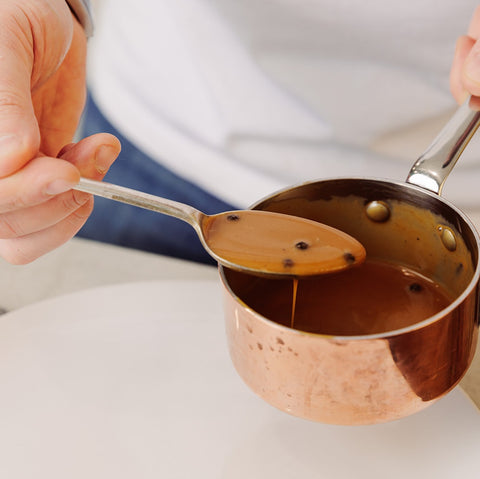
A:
[(134, 381)]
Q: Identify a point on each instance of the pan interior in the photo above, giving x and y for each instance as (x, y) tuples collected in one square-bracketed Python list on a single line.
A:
[(422, 233)]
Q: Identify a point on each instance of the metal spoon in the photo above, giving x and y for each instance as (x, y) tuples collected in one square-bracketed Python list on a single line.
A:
[(257, 242)]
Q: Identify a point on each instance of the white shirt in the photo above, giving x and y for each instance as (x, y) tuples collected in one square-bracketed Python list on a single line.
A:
[(244, 97)]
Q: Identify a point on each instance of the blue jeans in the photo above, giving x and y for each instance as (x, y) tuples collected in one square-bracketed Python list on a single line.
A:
[(129, 226)]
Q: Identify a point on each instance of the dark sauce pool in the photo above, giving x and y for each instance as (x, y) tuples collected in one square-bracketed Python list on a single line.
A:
[(372, 298)]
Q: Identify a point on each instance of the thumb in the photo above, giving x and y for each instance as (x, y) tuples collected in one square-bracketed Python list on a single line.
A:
[(92, 156), (457, 85), (19, 133), (471, 70)]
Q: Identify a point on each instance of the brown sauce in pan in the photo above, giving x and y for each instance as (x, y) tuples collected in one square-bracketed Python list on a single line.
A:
[(373, 298)]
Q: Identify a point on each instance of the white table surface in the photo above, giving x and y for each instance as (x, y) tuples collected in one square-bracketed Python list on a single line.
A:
[(81, 264), (134, 380)]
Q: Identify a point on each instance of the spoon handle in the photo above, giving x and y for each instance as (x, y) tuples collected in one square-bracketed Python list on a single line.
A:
[(143, 200)]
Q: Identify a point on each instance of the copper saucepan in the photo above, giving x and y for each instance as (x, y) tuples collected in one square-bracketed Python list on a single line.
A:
[(372, 378)]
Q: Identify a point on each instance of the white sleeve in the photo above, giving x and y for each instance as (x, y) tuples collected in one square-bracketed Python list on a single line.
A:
[(82, 10)]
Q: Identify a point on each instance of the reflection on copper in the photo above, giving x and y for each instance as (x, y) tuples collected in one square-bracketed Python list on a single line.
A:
[(433, 359)]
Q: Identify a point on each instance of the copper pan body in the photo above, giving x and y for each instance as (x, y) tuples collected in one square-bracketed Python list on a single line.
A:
[(372, 378)]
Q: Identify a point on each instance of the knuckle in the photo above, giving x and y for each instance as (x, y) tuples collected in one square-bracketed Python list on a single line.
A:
[(10, 99), (10, 227), (80, 215), (74, 200), (12, 203)]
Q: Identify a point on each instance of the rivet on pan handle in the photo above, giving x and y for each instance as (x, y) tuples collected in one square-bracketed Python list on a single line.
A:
[(432, 168)]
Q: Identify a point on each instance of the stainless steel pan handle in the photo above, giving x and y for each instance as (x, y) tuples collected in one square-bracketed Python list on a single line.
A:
[(432, 168)]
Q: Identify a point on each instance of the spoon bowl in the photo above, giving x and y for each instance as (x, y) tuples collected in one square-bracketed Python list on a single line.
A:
[(257, 242)]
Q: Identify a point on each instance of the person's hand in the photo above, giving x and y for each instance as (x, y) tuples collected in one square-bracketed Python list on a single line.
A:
[(42, 94), (465, 72)]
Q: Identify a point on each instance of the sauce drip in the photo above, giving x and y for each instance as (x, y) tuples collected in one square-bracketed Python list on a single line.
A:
[(294, 302), (274, 243), (376, 297)]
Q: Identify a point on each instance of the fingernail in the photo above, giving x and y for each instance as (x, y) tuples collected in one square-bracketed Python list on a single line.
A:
[(103, 158), (57, 187)]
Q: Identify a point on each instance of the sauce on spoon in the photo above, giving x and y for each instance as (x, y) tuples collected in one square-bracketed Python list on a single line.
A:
[(273, 243)]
